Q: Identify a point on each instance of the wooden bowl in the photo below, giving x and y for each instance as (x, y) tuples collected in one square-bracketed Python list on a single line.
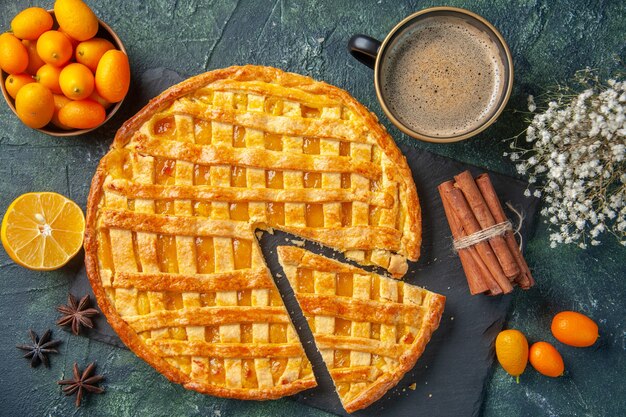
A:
[(104, 31)]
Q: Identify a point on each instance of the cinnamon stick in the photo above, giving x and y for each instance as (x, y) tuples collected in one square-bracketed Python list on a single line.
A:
[(525, 278), (465, 182), (470, 224), (479, 279)]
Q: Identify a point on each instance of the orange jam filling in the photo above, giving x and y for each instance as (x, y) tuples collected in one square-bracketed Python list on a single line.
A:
[(375, 213), (309, 112), (314, 215), (216, 371), (207, 299), (165, 128), (238, 177), (246, 333), (242, 252), (276, 213), (346, 181), (344, 148), (238, 211), (312, 180), (343, 389), (202, 132), (344, 284), (248, 372), (346, 214), (375, 290), (165, 170), (143, 303), (241, 101), (212, 334), (277, 367), (273, 106), (166, 253), (274, 179), (244, 297), (205, 255), (342, 327), (239, 134), (375, 331), (342, 358), (304, 279), (311, 146)]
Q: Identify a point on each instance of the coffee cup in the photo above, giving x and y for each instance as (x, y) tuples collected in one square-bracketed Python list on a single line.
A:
[(442, 75)]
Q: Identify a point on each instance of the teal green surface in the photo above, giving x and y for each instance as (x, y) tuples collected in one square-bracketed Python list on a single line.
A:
[(549, 40)]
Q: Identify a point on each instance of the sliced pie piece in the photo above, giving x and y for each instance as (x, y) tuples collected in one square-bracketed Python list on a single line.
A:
[(369, 329), (170, 248)]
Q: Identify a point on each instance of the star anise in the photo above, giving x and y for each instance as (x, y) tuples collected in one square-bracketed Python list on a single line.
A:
[(40, 348), (82, 382), (77, 314)]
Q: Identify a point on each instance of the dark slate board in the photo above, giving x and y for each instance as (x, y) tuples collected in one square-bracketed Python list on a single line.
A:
[(451, 374)]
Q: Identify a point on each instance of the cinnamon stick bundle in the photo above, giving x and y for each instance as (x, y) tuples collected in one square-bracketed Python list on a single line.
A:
[(491, 265)]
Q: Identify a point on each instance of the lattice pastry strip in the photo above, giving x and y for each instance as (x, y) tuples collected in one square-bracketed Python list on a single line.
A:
[(185, 245), (255, 178), (123, 255), (359, 212), (332, 211), (224, 257), (376, 361), (143, 172)]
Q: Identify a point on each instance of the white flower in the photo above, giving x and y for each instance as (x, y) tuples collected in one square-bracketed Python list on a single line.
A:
[(531, 104), (578, 152)]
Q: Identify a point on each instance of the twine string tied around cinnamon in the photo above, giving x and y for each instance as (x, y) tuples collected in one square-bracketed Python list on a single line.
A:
[(488, 233)]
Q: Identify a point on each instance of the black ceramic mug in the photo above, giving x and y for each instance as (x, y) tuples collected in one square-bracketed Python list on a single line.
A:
[(441, 75)]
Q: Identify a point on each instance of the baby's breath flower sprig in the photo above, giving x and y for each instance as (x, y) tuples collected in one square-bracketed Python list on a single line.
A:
[(577, 157)]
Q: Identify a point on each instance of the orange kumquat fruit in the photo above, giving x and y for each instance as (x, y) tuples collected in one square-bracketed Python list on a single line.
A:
[(76, 81), (512, 351), (54, 48), (13, 83), (76, 19), (82, 114), (13, 54), (48, 75), (113, 76), (30, 23), (89, 52), (546, 359), (574, 329), (34, 60), (59, 102), (34, 105)]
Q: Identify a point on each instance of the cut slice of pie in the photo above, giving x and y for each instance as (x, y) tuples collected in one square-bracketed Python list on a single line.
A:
[(170, 248), (369, 329)]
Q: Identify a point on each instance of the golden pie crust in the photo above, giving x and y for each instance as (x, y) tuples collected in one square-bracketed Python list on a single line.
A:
[(170, 246), (369, 329)]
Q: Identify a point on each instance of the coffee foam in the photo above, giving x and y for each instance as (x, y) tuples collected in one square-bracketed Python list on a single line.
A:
[(442, 77)]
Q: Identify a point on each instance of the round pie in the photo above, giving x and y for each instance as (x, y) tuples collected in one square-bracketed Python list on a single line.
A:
[(170, 242)]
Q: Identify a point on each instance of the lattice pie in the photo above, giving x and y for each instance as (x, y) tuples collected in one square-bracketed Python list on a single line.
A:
[(369, 329), (170, 246)]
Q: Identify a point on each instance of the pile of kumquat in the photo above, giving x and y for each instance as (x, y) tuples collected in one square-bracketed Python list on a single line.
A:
[(59, 72)]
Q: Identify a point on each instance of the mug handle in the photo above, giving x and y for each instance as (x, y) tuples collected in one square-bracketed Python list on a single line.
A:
[(364, 48)]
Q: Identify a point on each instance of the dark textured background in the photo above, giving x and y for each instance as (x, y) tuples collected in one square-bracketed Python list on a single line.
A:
[(550, 39)]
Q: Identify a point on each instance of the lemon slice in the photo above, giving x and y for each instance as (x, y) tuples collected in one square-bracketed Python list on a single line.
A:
[(42, 231)]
